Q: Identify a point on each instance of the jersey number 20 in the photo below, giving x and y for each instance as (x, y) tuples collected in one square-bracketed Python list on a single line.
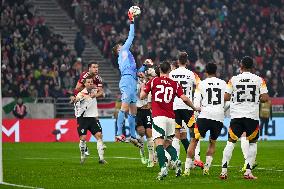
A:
[(167, 93)]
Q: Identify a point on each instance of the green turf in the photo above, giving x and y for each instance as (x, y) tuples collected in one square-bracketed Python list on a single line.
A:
[(56, 165)]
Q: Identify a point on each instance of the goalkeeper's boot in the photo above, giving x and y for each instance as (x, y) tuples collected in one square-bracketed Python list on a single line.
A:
[(199, 163), (120, 138), (223, 176), (87, 153), (177, 165), (249, 176), (206, 171), (163, 173), (150, 164), (102, 161), (136, 142)]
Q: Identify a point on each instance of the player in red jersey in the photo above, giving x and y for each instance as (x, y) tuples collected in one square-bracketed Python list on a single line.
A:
[(93, 72), (164, 90)]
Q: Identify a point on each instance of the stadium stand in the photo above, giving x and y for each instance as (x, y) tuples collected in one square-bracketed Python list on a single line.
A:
[(220, 31)]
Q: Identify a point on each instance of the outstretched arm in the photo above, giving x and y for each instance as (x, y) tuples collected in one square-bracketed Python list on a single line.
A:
[(130, 37)]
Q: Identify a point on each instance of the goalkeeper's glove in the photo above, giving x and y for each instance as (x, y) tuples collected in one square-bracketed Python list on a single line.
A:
[(131, 16)]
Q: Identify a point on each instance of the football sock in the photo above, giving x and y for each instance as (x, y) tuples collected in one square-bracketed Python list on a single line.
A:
[(176, 145), (197, 151), (120, 121), (168, 156), (161, 155), (131, 122), (208, 161), (253, 150), (82, 146), (172, 151), (251, 157), (245, 146), (188, 164), (141, 138), (185, 143), (100, 148), (227, 154), (150, 146)]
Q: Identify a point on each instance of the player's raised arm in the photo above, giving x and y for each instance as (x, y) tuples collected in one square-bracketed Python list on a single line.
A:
[(130, 37)]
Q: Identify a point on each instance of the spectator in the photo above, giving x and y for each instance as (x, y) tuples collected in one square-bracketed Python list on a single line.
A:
[(79, 44), (20, 110)]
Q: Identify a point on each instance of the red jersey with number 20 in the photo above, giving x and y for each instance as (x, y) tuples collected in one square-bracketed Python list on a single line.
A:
[(163, 90)]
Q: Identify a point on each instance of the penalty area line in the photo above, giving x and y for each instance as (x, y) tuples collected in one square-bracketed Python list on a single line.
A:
[(18, 185)]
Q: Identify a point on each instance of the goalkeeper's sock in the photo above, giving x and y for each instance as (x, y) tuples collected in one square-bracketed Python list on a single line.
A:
[(150, 145), (176, 145), (161, 155), (131, 122), (100, 148), (185, 143), (120, 121), (172, 151), (227, 155), (82, 146), (197, 151)]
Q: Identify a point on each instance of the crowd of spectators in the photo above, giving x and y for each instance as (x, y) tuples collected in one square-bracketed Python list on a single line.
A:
[(35, 61), (209, 30)]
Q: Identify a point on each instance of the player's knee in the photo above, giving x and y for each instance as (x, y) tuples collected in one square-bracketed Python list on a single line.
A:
[(211, 141), (148, 133), (83, 137), (98, 135), (140, 130), (232, 140)]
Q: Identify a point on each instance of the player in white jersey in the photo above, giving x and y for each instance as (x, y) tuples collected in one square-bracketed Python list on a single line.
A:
[(144, 119), (244, 91), (209, 95), (86, 112), (187, 79)]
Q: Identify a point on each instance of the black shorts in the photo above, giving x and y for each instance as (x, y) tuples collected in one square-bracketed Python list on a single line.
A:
[(88, 123), (144, 118), (240, 125), (203, 125), (182, 114)]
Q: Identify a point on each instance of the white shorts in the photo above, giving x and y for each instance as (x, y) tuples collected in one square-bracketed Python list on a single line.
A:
[(163, 127)]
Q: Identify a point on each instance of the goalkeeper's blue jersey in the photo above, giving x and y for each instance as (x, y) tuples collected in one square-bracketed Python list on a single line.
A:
[(126, 61)]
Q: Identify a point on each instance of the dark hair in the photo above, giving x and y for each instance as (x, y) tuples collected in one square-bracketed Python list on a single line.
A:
[(211, 68), (165, 67), (91, 62), (174, 63), (247, 62), (183, 57), (115, 48), (88, 77), (157, 70)]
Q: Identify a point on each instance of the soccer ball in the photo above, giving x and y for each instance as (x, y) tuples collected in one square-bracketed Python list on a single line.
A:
[(135, 10)]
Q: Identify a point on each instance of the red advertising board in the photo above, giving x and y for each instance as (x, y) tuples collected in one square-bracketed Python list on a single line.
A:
[(40, 130)]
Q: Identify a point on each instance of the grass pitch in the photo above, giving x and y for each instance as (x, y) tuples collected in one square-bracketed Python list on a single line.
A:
[(56, 165)]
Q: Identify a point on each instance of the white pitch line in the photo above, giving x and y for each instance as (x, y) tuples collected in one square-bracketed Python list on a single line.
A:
[(20, 186), (131, 158)]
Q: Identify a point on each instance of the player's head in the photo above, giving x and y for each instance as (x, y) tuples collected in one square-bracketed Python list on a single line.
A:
[(174, 65), (246, 63), (116, 49), (88, 82), (182, 58), (93, 67), (165, 67), (211, 68), (157, 70)]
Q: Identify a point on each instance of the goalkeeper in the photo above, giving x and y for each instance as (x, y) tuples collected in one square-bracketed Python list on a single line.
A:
[(127, 84)]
